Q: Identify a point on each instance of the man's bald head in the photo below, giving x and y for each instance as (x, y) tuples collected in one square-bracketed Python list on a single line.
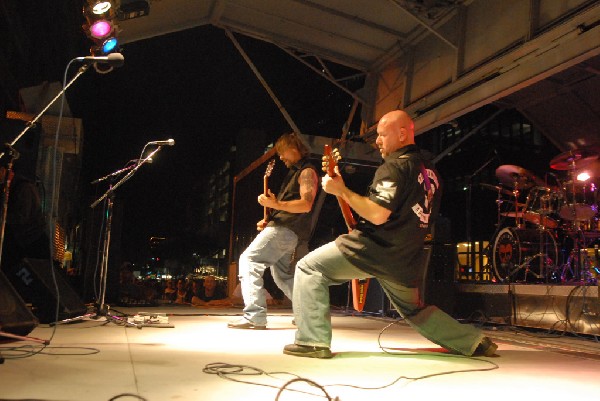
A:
[(395, 130)]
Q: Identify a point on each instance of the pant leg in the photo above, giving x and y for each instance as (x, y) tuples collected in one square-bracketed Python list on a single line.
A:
[(431, 322), (283, 271), (321, 268), (271, 247), (283, 275)]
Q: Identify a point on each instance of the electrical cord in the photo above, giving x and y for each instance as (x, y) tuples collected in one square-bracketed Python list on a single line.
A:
[(228, 371)]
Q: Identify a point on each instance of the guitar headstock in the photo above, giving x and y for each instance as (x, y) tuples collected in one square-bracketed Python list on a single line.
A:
[(269, 169), (331, 157)]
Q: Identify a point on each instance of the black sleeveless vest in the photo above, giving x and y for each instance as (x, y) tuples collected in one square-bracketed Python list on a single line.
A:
[(290, 190)]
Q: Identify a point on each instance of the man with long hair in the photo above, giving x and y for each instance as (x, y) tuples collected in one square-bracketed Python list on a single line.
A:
[(288, 223)]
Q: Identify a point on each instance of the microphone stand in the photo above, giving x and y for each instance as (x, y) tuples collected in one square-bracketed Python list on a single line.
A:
[(13, 154), (102, 309), (7, 180)]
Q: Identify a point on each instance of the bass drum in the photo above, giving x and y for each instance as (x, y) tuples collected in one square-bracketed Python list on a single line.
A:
[(525, 255)]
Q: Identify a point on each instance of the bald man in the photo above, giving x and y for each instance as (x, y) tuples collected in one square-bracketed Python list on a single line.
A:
[(387, 244)]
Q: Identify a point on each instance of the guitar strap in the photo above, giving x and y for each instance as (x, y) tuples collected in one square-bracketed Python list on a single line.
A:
[(427, 182)]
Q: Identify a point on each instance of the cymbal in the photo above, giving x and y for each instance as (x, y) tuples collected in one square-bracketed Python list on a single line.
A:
[(496, 188), (517, 177), (574, 158)]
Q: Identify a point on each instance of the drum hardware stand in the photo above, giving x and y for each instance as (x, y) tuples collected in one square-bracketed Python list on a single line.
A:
[(543, 255), (586, 267), (101, 308), (578, 264), (527, 266)]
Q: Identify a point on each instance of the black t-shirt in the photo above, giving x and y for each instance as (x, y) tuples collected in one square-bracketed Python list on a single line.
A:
[(394, 249)]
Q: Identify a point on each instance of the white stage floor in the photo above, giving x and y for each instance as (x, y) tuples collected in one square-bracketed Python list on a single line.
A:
[(95, 360)]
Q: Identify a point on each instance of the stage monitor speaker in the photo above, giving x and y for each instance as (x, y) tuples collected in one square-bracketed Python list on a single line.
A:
[(15, 317), (439, 286), (33, 279)]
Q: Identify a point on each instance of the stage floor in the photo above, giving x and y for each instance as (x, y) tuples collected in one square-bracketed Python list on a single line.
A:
[(98, 360)]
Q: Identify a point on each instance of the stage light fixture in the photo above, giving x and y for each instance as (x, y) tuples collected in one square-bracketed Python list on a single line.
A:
[(109, 45), (100, 27), (583, 176), (100, 7)]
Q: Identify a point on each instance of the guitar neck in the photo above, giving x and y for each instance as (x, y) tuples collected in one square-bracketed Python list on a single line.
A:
[(344, 207), (347, 213), (359, 287), (266, 192)]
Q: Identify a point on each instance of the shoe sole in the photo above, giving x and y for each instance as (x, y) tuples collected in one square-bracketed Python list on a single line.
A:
[(249, 327), (321, 354)]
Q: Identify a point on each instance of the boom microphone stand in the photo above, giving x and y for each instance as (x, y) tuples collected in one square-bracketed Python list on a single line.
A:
[(13, 154), (102, 309), (8, 175)]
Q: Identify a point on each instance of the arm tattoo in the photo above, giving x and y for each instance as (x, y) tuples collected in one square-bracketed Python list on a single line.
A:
[(307, 184)]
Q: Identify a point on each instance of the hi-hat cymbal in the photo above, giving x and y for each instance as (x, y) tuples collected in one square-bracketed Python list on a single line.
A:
[(574, 158), (517, 177), (497, 188)]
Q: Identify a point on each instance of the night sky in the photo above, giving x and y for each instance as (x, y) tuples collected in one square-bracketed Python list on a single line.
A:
[(192, 86)]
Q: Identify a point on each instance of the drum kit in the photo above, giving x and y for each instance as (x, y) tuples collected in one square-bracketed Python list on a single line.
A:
[(549, 233)]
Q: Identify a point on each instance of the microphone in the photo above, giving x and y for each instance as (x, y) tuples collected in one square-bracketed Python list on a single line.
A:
[(113, 59), (169, 142)]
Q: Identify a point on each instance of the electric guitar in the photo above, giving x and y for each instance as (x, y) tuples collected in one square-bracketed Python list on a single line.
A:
[(268, 172), (359, 286)]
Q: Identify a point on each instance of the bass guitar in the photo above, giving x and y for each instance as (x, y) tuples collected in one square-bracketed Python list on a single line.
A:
[(359, 286)]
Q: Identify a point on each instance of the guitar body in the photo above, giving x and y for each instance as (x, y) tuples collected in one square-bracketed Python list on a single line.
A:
[(359, 286), (359, 293)]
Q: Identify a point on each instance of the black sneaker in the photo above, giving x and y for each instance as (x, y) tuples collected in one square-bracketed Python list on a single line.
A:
[(307, 351), (245, 324), (485, 348)]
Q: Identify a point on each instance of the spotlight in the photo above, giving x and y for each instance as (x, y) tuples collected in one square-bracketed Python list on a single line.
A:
[(109, 45), (100, 27), (100, 7), (584, 176)]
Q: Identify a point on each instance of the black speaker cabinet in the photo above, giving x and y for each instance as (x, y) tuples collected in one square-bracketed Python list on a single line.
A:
[(33, 279), (438, 286), (15, 317)]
